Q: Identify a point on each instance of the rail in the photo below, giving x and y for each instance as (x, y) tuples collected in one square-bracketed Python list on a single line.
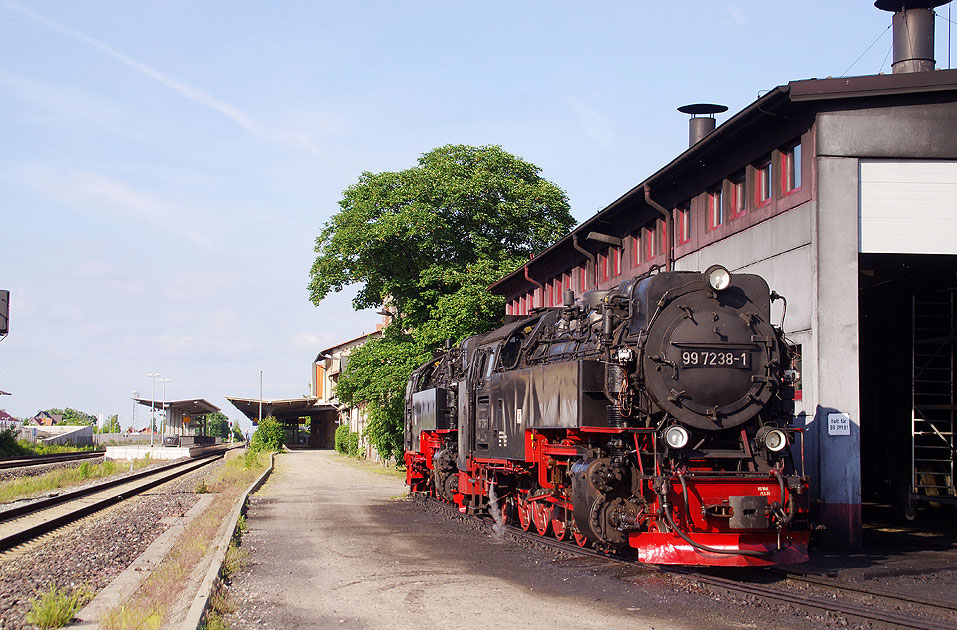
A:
[(37, 460), (25, 522), (824, 603)]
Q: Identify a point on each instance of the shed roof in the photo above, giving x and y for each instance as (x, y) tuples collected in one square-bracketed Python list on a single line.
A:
[(778, 103)]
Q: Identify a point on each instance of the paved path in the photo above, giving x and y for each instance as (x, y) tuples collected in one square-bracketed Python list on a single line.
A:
[(334, 546)]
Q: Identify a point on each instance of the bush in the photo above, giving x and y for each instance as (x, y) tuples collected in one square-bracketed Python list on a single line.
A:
[(9, 447), (353, 442), (342, 439), (269, 436)]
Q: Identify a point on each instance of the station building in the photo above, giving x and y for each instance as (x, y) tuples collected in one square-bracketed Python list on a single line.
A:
[(328, 366), (842, 193)]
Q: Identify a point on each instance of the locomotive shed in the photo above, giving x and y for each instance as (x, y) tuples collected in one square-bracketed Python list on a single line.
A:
[(842, 193)]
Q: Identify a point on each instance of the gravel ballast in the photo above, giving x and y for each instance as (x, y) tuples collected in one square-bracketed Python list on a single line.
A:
[(94, 551)]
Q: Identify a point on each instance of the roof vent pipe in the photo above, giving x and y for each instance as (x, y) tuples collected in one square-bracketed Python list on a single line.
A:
[(702, 120), (913, 33)]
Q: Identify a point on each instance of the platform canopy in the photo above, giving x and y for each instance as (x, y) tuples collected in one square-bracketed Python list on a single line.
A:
[(187, 407), (281, 408)]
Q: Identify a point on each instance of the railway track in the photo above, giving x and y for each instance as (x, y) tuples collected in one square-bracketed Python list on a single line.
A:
[(880, 605), (27, 521), (37, 460)]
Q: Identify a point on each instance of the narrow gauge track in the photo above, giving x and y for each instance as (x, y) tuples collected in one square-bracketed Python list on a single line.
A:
[(743, 585), (37, 460), (25, 522)]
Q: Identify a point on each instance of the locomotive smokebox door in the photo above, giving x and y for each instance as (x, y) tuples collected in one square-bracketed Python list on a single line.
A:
[(710, 355)]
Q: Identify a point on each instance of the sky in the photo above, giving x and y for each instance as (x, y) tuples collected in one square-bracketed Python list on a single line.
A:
[(165, 167)]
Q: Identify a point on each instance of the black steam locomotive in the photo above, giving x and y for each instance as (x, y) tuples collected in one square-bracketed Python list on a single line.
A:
[(653, 416)]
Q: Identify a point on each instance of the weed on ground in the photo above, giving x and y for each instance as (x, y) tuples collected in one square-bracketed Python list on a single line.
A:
[(55, 607), (24, 487)]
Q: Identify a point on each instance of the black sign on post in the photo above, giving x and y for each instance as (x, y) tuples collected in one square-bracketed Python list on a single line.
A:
[(4, 312)]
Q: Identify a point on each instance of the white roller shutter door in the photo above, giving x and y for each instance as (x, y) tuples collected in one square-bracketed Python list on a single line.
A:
[(908, 207)]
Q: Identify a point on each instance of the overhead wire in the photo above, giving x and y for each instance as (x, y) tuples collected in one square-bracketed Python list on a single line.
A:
[(844, 74)]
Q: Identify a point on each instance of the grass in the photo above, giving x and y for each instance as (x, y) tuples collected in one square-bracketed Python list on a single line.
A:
[(63, 478), (55, 607), (149, 606), (374, 467)]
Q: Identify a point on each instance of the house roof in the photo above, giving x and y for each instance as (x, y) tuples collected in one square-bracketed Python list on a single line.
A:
[(360, 338), (778, 103)]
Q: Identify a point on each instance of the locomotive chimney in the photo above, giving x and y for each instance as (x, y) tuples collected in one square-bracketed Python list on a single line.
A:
[(913, 28), (702, 120)]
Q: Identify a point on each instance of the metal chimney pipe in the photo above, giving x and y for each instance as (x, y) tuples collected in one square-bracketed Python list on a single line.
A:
[(702, 120), (913, 28)]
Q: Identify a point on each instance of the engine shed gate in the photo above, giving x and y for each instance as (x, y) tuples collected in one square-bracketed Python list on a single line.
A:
[(934, 398)]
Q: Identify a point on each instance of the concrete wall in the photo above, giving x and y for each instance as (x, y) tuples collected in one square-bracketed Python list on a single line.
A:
[(836, 326)]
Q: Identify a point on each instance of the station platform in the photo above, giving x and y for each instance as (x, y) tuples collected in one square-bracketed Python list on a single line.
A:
[(160, 452)]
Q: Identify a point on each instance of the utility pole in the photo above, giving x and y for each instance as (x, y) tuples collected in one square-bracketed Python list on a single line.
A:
[(152, 408), (164, 381), (260, 396)]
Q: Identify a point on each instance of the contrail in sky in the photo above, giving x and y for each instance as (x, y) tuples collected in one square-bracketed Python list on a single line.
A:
[(196, 95)]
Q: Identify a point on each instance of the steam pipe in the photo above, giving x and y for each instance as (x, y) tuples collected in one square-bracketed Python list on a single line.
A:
[(537, 283), (587, 254), (669, 224)]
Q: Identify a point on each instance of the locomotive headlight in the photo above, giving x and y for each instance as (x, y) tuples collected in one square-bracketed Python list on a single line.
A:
[(676, 437), (773, 439), (718, 277)]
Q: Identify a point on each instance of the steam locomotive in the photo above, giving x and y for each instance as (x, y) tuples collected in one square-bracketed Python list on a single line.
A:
[(654, 416)]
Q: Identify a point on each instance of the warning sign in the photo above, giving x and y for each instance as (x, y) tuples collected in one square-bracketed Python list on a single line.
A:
[(838, 424)]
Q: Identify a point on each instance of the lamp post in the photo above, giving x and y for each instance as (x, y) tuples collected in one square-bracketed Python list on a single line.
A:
[(164, 381), (133, 395), (260, 396), (152, 408)]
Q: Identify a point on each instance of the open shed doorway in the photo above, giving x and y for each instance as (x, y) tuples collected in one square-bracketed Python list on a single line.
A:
[(903, 297)]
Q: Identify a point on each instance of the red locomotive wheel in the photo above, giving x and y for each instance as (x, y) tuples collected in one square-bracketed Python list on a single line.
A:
[(559, 528), (524, 513), (542, 515), (580, 539), (506, 512)]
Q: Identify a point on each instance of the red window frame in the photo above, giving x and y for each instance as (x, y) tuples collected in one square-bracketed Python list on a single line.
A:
[(663, 240), (791, 169), (651, 244), (683, 221), (615, 266), (762, 183), (738, 196), (583, 278), (715, 208), (636, 249)]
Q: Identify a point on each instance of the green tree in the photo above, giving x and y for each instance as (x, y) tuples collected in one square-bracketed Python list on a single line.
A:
[(237, 433), (269, 435), (217, 424), (425, 242), (112, 425), (72, 416)]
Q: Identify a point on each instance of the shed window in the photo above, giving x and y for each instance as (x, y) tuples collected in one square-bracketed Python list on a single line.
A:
[(791, 168), (762, 182), (736, 204), (683, 223), (715, 208)]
